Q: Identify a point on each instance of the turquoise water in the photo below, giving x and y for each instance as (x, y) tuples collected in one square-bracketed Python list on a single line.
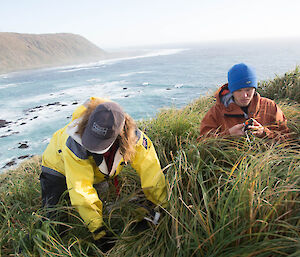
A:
[(39, 102)]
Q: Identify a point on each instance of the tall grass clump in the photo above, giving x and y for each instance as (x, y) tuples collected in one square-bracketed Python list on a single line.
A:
[(226, 197), (282, 88), (285, 90), (172, 127), (225, 205)]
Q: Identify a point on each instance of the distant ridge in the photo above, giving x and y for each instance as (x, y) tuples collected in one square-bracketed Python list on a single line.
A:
[(30, 51)]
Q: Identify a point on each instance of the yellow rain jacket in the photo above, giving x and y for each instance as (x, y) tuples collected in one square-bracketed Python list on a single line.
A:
[(65, 155)]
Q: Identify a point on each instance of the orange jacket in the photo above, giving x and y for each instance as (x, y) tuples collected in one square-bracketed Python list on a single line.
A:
[(219, 119)]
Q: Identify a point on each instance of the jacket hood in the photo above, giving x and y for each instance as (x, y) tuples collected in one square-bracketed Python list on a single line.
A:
[(224, 96), (222, 92), (72, 129)]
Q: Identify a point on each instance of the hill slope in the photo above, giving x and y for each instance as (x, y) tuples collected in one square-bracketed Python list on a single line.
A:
[(226, 197), (29, 51)]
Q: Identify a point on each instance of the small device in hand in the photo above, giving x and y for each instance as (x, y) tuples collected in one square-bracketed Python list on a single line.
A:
[(247, 124)]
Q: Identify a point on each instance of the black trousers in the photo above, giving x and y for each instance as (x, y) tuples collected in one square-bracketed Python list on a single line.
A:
[(53, 187)]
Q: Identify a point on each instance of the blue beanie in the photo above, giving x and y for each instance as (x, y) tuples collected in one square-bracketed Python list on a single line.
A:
[(240, 76)]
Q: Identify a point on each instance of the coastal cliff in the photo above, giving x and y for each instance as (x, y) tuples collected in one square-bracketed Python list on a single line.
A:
[(30, 51)]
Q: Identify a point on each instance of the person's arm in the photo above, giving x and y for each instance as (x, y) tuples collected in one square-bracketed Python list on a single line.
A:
[(210, 124), (147, 165), (277, 129), (80, 177)]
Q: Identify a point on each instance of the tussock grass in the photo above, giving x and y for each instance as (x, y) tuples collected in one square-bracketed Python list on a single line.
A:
[(172, 127), (226, 198), (285, 87)]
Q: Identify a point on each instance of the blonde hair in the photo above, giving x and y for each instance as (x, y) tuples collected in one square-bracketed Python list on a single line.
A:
[(127, 137)]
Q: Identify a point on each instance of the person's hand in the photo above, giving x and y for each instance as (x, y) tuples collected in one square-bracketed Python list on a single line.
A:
[(237, 130), (257, 129), (140, 213), (99, 235), (145, 217)]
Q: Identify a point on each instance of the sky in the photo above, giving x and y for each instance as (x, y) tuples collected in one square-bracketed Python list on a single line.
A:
[(125, 23)]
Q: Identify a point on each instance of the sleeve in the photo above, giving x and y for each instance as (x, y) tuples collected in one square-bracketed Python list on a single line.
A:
[(210, 124), (80, 177), (147, 165), (278, 126)]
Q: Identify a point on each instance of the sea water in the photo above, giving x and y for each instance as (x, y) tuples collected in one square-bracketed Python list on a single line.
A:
[(36, 103)]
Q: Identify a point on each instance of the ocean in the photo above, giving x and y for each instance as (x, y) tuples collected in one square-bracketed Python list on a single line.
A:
[(35, 103)]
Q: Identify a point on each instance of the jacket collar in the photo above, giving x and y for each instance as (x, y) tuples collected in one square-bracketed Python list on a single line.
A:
[(72, 129), (103, 166)]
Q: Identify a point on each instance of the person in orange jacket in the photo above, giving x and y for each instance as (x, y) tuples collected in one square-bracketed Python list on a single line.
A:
[(238, 101)]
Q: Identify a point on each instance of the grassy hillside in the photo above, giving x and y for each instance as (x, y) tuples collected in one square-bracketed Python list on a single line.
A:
[(29, 51), (226, 197)]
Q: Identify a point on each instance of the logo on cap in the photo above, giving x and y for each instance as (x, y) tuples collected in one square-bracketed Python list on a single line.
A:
[(101, 131), (248, 82)]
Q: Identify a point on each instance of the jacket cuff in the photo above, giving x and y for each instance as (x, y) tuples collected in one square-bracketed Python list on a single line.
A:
[(95, 224), (99, 233)]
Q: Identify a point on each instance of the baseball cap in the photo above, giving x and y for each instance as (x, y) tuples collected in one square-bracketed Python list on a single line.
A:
[(104, 125)]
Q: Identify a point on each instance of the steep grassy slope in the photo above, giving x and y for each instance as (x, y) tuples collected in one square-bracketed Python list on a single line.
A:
[(226, 197)]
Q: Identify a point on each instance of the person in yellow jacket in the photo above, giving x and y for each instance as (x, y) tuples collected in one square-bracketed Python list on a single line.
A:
[(93, 147)]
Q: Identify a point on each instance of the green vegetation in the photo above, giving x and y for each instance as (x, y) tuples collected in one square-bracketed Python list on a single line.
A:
[(282, 88), (226, 197)]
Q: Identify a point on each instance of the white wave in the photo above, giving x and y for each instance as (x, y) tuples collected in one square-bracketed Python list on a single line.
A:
[(36, 100), (95, 89), (95, 65), (145, 84), (179, 85), (78, 69), (151, 53), (68, 95), (46, 115), (162, 52), (93, 80), (8, 85), (54, 113), (10, 111), (46, 140), (133, 73), (5, 161)]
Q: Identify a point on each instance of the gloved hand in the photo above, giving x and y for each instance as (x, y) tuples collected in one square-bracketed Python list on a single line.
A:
[(144, 216), (99, 235), (104, 240), (153, 216), (140, 213)]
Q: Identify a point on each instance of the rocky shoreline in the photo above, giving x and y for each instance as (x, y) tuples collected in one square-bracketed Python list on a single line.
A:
[(10, 127)]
